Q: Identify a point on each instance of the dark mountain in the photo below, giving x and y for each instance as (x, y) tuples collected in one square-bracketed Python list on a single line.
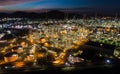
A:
[(23, 14), (53, 14), (60, 15), (66, 13), (3, 14)]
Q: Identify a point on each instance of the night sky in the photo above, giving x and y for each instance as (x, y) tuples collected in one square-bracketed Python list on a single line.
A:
[(31, 5)]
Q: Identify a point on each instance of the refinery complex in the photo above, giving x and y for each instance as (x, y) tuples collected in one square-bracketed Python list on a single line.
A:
[(37, 44)]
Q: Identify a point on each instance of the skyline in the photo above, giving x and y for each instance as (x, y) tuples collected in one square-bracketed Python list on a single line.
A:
[(34, 5)]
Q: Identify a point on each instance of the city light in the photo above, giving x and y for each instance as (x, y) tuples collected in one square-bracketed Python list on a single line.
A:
[(108, 61), (59, 45)]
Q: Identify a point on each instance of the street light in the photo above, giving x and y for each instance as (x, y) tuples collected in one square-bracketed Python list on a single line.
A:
[(108, 61)]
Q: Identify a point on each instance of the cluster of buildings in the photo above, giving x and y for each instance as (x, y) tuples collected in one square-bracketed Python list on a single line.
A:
[(51, 41)]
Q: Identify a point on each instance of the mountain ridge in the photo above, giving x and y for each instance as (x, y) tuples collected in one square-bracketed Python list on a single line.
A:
[(62, 13)]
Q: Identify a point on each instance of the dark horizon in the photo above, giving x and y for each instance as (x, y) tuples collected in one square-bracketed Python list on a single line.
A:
[(72, 10), (61, 14)]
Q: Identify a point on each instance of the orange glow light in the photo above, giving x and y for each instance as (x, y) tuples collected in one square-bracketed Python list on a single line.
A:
[(19, 64)]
